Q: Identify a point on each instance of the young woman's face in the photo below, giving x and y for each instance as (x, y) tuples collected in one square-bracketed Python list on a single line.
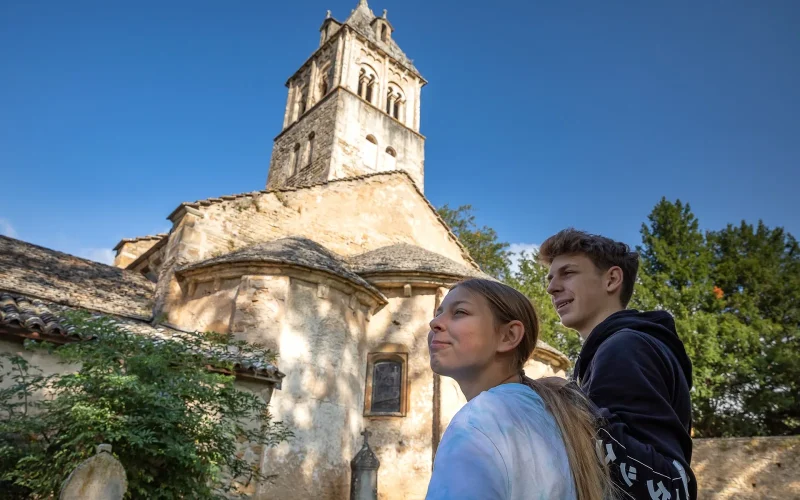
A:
[(463, 338)]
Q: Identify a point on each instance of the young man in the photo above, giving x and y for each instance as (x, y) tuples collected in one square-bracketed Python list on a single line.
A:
[(632, 365)]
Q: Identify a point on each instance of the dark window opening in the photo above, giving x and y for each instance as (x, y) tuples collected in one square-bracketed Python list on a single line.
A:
[(386, 387), (370, 90)]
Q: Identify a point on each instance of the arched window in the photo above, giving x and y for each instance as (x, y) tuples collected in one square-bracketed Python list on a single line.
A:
[(395, 101), (386, 391), (362, 82), (398, 108), (390, 160), (369, 152), (323, 86), (390, 101), (310, 148), (367, 83), (383, 33), (301, 106), (371, 89), (324, 81), (295, 159)]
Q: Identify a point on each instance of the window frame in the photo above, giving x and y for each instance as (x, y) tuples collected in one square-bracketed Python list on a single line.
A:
[(372, 359)]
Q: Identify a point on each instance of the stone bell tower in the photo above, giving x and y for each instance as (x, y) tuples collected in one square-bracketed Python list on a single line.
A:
[(353, 107)]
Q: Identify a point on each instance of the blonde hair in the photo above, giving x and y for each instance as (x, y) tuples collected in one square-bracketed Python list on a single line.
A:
[(572, 411)]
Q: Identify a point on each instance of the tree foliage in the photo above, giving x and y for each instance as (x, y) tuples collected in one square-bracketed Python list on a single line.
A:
[(735, 296), (482, 243), (531, 279), (174, 424)]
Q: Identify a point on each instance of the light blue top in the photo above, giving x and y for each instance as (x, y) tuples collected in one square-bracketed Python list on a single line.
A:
[(504, 445)]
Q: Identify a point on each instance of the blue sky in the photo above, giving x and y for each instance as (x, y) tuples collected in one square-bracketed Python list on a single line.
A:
[(540, 114)]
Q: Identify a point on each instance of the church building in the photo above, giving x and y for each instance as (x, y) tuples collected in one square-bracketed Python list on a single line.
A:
[(337, 265)]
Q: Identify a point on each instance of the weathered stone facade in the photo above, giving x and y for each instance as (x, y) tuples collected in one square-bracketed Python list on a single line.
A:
[(763, 468), (130, 249), (352, 108), (302, 153)]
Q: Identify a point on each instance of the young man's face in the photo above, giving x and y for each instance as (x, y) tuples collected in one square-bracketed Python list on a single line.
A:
[(580, 292)]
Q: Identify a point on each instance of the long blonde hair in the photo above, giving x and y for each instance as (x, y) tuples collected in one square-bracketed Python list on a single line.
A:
[(571, 410)]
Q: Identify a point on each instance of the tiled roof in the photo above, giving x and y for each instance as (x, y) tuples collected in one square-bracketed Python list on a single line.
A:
[(30, 314), (357, 178), (293, 250), (47, 274), (406, 258), (38, 319)]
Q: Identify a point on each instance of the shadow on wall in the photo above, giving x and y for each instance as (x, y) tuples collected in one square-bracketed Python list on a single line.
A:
[(747, 468), (322, 401)]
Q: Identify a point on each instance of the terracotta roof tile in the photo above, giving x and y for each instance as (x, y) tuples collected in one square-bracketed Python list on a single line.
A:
[(29, 314)]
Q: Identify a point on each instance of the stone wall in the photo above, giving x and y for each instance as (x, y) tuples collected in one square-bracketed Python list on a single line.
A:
[(149, 263), (209, 305), (49, 364), (403, 444), (323, 354), (369, 213), (353, 154), (320, 120), (348, 217), (128, 251), (747, 468), (360, 54)]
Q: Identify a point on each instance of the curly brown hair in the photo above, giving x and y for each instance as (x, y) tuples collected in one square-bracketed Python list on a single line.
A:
[(604, 252)]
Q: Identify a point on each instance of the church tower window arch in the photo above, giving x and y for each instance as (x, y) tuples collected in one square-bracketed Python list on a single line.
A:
[(310, 148), (294, 159), (368, 83), (395, 102), (369, 152)]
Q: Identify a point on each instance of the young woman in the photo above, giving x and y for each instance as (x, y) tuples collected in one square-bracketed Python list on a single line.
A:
[(516, 438)]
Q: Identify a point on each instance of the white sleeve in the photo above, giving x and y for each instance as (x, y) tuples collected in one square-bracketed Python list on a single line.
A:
[(468, 466)]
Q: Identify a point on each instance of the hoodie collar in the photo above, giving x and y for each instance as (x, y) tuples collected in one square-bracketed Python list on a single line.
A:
[(658, 324)]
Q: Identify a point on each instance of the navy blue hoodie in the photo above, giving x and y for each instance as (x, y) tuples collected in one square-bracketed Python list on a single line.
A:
[(634, 368)]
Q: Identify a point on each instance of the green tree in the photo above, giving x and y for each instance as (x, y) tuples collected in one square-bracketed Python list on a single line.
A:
[(675, 275), (734, 295), (675, 261), (482, 243), (531, 279), (174, 424), (757, 271)]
